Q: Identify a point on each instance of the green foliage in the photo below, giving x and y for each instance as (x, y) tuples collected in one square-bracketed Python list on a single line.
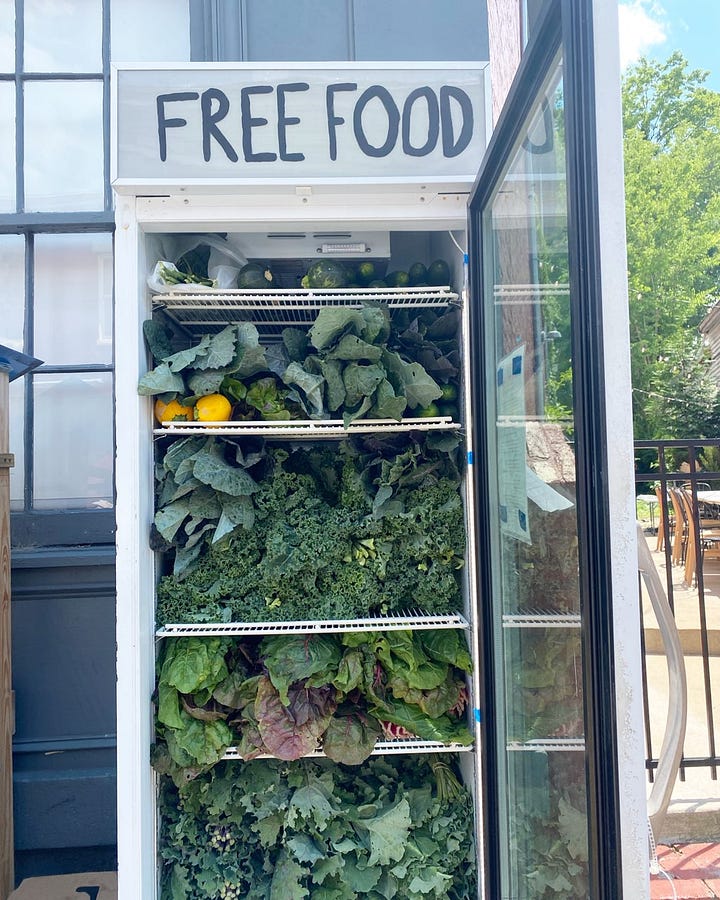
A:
[(375, 528), (672, 187), (281, 695), (315, 829)]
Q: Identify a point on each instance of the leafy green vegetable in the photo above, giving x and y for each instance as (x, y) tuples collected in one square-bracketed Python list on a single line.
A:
[(377, 527), (315, 829), (286, 695), (352, 360)]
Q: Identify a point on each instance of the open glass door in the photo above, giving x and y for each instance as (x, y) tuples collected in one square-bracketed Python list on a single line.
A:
[(546, 594)]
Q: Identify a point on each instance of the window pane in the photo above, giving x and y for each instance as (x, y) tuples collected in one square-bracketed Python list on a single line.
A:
[(63, 146), (7, 35), (7, 146), (73, 298), (63, 36), (17, 441), (73, 460), (149, 32), (12, 266)]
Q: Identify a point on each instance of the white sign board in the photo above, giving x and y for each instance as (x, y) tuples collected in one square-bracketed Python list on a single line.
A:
[(240, 122)]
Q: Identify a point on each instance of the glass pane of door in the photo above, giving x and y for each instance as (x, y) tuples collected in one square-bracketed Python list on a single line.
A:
[(535, 601)]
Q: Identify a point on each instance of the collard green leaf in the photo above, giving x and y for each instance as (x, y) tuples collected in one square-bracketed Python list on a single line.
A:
[(360, 381), (376, 324), (334, 384), (411, 380), (158, 339), (186, 358), (161, 380), (220, 350), (296, 343), (309, 384), (200, 384), (332, 322), (387, 404), (211, 467), (351, 347), (169, 519)]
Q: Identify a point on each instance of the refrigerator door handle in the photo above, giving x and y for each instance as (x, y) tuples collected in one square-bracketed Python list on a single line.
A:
[(674, 737)]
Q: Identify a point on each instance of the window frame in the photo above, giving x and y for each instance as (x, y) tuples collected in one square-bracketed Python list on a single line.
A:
[(63, 526)]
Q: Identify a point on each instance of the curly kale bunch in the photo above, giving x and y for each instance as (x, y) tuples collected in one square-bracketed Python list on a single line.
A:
[(373, 529), (314, 828)]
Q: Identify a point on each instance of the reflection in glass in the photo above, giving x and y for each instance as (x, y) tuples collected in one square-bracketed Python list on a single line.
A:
[(12, 267), (73, 298), (7, 147), (63, 36), (73, 461), (17, 442), (536, 590), (63, 146), (7, 36)]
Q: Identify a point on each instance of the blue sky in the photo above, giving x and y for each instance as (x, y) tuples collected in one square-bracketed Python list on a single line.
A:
[(655, 28)]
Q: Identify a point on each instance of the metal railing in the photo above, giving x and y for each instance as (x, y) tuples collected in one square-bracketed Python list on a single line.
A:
[(692, 465)]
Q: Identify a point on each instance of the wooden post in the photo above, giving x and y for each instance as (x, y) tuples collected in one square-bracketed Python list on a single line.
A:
[(7, 712)]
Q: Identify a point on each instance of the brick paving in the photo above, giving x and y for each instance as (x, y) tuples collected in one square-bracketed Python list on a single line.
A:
[(694, 870)]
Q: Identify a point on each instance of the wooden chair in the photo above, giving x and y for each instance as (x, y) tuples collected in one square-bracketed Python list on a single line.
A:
[(681, 528), (701, 533), (662, 508)]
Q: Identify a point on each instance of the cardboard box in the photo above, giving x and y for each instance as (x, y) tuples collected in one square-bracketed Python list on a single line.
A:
[(84, 885)]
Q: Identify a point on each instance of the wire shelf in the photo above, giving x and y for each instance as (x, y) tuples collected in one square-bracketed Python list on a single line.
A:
[(382, 748), (548, 745), (310, 428), (273, 310), (412, 621), (542, 620)]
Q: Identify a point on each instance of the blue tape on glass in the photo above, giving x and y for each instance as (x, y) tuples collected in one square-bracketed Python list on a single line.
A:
[(466, 259), (470, 457), (478, 715)]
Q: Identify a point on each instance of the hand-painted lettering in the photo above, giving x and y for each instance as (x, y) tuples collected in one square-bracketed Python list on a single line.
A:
[(332, 120), (210, 120), (451, 146), (249, 122), (284, 120), (164, 123), (377, 91), (433, 121)]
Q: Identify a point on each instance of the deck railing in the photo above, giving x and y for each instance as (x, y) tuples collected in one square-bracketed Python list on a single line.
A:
[(695, 466)]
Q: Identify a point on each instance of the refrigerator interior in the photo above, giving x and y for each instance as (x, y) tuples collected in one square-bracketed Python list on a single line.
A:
[(288, 253)]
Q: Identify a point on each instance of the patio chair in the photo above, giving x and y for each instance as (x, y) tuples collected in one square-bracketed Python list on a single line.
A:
[(703, 535)]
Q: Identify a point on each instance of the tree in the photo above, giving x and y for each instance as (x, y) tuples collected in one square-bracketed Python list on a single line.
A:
[(672, 188)]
